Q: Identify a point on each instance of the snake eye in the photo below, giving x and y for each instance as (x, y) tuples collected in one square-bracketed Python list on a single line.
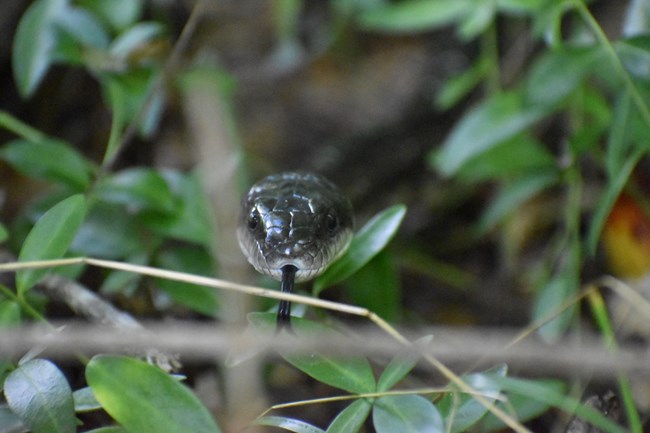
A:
[(253, 220), (331, 223)]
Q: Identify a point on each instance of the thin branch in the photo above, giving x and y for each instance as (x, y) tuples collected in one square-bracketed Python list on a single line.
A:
[(198, 342)]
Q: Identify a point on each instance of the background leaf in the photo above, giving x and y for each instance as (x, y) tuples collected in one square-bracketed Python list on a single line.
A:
[(365, 245), (550, 299), (50, 159), (513, 196), (40, 395), (557, 73), (414, 15), (34, 44), (50, 238), (144, 399), (117, 14), (139, 188), (490, 123)]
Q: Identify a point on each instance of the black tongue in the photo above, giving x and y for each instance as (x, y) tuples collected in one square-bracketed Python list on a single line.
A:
[(284, 309)]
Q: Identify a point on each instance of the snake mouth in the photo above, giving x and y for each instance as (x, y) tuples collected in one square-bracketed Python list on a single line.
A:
[(304, 271)]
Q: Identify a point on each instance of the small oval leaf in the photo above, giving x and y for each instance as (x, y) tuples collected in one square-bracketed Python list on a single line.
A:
[(85, 401), (144, 399), (351, 374), (401, 365), (406, 414), (367, 243), (290, 424), (50, 238), (352, 418), (466, 411), (39, 394)]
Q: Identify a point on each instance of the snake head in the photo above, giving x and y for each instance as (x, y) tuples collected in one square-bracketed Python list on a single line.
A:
[(298, 219)]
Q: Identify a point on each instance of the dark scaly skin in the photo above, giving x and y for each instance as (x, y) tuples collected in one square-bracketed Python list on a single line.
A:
[(298, 220)]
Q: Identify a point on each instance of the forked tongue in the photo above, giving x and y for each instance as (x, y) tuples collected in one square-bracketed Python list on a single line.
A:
[(284, 309)]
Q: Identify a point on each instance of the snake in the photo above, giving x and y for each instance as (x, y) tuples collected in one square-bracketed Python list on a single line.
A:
[(292, 226)]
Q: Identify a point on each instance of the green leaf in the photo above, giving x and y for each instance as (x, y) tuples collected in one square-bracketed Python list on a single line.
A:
[(607, 199), (139, 189), (50, 238), (9, 421), (462, 411), (459, 86), (193, 221), (540, 391), (550, 299), (351, 374), (406, 414), (50, 159), (34, 44), (352, 418), (514, 195), (520, 156), (118, 14), (107, 430), (522, 6), (83, 27), (477, 20), (634, 53), (4, 234), (194, 261), (290, 424), (128, 94), (619, 142), (492, 122), (367, 243), (144, 399), (9, 314), (376, 286), (400, 366), (596, 120), (557, 73), (85, 401), (40, 395), (108, 232), (414, 15), (135, 37), (525, 408)]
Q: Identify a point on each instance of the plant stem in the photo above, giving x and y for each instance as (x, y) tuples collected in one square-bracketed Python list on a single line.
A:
[(602, 319), (616, 61), (20, 128)]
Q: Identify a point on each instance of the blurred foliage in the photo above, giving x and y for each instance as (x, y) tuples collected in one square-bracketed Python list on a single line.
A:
[(161, 217)]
